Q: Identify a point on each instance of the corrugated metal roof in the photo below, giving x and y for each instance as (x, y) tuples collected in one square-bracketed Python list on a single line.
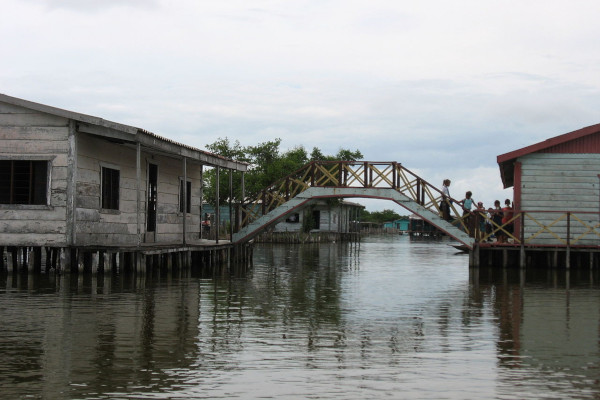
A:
[(581, 141)]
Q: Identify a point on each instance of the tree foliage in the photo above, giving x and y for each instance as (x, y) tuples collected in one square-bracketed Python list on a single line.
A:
[(267, 165), (379, 217)]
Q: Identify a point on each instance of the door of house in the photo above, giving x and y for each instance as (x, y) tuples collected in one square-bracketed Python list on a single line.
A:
[(152, 197), (316, 215)]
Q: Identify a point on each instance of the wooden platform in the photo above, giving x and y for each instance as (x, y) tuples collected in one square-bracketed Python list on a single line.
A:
[(195, 254), (511, 255)]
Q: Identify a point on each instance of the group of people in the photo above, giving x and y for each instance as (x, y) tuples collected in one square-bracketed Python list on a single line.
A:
[(495, 217)]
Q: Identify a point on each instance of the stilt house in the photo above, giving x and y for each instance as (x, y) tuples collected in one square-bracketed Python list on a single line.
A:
[(69, 179), (556, 189)]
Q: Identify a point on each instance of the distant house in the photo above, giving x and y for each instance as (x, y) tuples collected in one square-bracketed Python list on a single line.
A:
[(559, 180), (321, 216), (402, 224), (70, 179), (418, 226)]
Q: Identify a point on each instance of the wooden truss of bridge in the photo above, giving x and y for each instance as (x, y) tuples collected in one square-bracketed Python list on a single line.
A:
[(350, 179)]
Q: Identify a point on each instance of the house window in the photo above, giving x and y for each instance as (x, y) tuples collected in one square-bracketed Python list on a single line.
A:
[(293, 218), (187, 196), (23, 182), (110, 188)]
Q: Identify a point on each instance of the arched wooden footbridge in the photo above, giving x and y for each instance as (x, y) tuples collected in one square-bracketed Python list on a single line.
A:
[(349, 179)]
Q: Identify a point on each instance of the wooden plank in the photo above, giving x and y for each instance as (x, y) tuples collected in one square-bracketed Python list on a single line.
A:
[(28, 239), (34, 146), (86, 214), (96, 239), (559, 173), (47, 133), (6, 108), (33, 226), (88, 189), (52, 214), (90, 176), (59, 174), (100, 227), (92, 202), (563, 186), (568, 199), (32, 119), (544, 157)]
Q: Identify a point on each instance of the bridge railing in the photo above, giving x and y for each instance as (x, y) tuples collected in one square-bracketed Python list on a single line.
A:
[(352, 174), (542, 228)]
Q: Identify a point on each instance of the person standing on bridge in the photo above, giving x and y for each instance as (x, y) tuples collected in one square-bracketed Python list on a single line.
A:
[(445, 205), (467, 203)]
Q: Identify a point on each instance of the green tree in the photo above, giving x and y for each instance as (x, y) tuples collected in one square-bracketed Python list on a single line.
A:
[(267, 165), (379, 217)]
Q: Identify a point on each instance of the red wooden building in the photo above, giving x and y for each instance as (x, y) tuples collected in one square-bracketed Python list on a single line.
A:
[(556, 186)]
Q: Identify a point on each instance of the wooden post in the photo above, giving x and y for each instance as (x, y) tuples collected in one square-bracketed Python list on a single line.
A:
[(80, 261), (217, 223), (522, 257), (230, 205), (241, 215), (568, 252), (95, 262), (20, 258), (121, 262), (138, 195), (30, 260), (10, 266), (185, 205), (107, 262), (201, 194), (65, 259), (140, 260)]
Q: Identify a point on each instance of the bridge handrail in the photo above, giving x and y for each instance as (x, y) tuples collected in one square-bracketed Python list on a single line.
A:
[(555, 228), (361, 174)]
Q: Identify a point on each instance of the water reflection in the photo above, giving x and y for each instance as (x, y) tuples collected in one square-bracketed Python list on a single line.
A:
[(548, 324), (389, 318), (66, 335)]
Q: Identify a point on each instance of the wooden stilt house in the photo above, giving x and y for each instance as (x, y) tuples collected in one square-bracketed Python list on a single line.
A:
[(556, 189), (70, 180)]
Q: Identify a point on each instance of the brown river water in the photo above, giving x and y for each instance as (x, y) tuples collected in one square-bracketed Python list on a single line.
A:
[(391, 318)]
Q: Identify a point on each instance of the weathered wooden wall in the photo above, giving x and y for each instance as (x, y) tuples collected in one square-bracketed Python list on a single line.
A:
[(561, 182), (26, 134), (96, 226), (169, 220)]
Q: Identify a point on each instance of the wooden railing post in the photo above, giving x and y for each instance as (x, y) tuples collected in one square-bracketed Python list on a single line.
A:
[(568, 252), (394, 183), (345, 174), (366, 174), (264, 202)]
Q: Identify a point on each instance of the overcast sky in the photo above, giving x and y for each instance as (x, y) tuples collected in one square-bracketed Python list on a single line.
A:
[(442, 87)]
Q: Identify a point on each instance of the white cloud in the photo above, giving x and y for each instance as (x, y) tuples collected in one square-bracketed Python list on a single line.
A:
[(441, 87)]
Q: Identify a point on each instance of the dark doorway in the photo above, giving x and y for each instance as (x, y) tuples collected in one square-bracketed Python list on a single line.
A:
[(316, 215), (152, 197)]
